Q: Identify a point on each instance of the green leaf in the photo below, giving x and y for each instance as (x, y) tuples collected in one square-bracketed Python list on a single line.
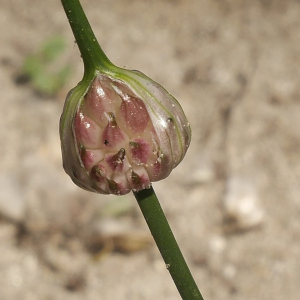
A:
[(53, 48)]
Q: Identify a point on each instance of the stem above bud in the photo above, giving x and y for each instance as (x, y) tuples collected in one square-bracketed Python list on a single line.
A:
[(92, 55)]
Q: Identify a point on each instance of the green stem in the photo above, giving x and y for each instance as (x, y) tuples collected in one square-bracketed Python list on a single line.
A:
[(93, 56), (167, 244), (95, 59)]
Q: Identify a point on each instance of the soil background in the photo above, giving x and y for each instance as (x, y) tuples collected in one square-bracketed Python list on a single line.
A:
[(233, 202)]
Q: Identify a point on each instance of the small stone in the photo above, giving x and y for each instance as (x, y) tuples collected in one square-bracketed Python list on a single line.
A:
[(242, 203), (203, 171), (12, 202), (229, 271), (217, 244)]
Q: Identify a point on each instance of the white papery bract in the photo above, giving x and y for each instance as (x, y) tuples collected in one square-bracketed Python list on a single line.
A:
[(122, 133)]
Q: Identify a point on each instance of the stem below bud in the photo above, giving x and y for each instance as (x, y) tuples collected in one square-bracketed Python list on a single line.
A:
[(167, 245)]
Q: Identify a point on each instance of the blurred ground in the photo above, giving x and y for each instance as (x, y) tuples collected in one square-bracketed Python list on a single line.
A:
[(234, 201)]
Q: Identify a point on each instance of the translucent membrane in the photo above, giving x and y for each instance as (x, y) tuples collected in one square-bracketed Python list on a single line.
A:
[(126, 135)]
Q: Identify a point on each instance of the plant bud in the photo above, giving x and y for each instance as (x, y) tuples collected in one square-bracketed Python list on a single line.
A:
[(122, 132)]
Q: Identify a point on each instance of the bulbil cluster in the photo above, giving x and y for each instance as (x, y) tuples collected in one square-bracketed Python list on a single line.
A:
[(125, 135)]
